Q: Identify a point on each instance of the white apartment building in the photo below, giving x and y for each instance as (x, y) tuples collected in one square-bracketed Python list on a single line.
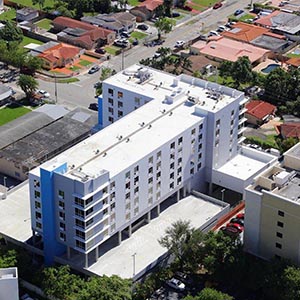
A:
[(183, 139), (9, 287), (272, 213)]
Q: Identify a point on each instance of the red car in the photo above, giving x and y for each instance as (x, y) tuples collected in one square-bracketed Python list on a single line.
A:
[(240, 216), (217, 5), (187, 8), (236, 225)]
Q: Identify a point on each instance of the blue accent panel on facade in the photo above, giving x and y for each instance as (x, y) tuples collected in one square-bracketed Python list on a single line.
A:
[(51, 246), (100, 111)]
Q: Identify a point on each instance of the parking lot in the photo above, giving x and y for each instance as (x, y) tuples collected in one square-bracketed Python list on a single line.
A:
[(8, 74)]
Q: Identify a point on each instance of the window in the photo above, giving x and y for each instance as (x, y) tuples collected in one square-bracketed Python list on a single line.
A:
[(137, 101), (105, 212), (192, 171), (150, 160), (172, 156), (111, 92), (172, 185), (136, 190), (111, 101), (150, 190), (79, 202), (158, 155), (200, 127), (79, 223), (111, 110), (127, 185), (279, 234), (278, 245), (80, 244), (193, 131), (127, 196), (179, 160), (120, 95), (61, 194), (37, 204), (179, 180), (36, 183), (158, 175), (157, 195), (120, 104), (113, 196), (89, 222), (172, 175), (62, 226), (158, 166), (200, 137), (199, 147), (120, 113), (136, 211), (199, 156), (62, 215), (218, 122), (150, 200), (38, 225), (38, 215), (127, 175), (280, 224), (61, 204), (62, 236), (150, 180), (180, 140), (80, 234), (112, 206), (199, 166), (150, 170), (217, 131), (37, 194), (172, 146), (179, 170), (136, 169), (112, 185), (89, 211), (231, 123), (232, 112), (172, 165), (280, 213), (79, 212), (110, 119)]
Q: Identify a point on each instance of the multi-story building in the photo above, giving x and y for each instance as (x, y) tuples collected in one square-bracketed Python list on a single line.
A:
[(272, 215), (9, 287), (175, 143)]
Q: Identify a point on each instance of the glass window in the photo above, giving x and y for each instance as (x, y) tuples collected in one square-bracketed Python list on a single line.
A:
[(111, 92), (280, 224), (120, 95), (37, 194), (280, 213), (61, 194)]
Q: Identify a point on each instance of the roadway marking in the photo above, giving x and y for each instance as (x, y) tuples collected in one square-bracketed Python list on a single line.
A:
[(76, 84)]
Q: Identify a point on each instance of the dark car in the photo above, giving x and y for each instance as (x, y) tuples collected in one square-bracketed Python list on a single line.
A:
[(93, 106), (237, 226), (94, 69), (240, 216), (238, 12), (217, 5), (100, 51), (125, 34), (188, 8), (230, 231), (142, 27), (135, 42), (238, 221), (175, 14)]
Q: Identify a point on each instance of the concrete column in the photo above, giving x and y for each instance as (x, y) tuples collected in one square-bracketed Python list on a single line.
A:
[(68, 252), (178, 196), (148, 216), (210, 188), (119, 237), (189, 186), (33, 238), (86, 257), (184, 191), (130, 230), (158, 209), (97, 253)]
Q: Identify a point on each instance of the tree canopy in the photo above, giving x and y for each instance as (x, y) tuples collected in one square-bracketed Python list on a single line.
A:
[(164, 25), (11, 33), (210, 294), (28, 84)]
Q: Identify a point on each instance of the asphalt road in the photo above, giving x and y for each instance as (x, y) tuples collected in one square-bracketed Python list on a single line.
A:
[(82, 93)]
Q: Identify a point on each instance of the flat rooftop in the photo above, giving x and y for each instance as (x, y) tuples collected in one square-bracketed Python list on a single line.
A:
[(242, 166), (15, 218), (157, 121), (290, 190), (144, 242)]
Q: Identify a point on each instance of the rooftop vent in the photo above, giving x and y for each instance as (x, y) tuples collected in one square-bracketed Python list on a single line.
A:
[(142, 124)]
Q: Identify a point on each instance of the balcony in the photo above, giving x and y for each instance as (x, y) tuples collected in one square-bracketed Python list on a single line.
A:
[(242, 120)]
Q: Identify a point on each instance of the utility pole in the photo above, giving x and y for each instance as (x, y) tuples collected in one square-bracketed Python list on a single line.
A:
[(55, 86), (122, 59), (133, 257)]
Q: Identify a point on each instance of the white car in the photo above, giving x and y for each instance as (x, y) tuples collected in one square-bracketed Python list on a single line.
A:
[(213, 33), (43, 93), (179, 44), (176, 284)]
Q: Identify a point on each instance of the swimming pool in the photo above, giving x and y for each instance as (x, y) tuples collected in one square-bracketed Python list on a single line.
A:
[(270, 68)]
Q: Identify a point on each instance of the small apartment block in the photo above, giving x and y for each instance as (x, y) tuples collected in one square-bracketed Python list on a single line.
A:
[(272, 217)]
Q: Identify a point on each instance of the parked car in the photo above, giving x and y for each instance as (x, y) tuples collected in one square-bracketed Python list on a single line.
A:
[(236, 225), (217, 5), (230, 231), (213, 33), (100, 50), (94, 69), (142, 27), (156, 55), (222, 28), (125, 34), (186, 7), (238, 221), (121, 43), (135, 42), (93, 106), (176, 284), (238, 12), (43, 93), (175, 14), (179, 44), (240, 216)]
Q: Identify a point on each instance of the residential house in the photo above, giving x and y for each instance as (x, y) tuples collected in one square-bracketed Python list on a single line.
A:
[(82, 34), (118, 22), (259, 111), (26, 14), (147, 9), (294, 62), (283, 23), (258, 36), (288, 130), (56, 55), (221, 48), (5, 93)]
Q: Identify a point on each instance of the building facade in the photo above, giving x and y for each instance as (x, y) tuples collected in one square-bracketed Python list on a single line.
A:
[(166, 148), (9, 287), (272, 214)]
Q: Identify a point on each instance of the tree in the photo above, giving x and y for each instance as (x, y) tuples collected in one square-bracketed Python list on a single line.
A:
[(106, 288), (105, 73), (291, 282), (9, 259), (181, 3), (28, 84), (41, 3), (31, 64), (163, 25), (241, 71), (184, 242), (60, 283), (168, 7), (210, 294), (10, 33)]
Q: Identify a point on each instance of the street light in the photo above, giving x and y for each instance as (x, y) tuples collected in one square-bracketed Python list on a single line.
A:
[(222, 192), (133, 257)]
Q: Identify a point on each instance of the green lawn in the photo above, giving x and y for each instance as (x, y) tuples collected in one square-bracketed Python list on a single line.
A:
[(8, 15), (113, 50), (268, 142), (68, 80), (48, 3), (84, 63), (9, 114), (205, 2), (44, 23), (27, 40), (133, 2), (290, 55), (138, 35), (74, 68)]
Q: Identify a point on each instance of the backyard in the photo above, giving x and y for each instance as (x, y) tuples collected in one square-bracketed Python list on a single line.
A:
[(44, 23), (8, 114), (48, 3), (8, 15), (27, 40)]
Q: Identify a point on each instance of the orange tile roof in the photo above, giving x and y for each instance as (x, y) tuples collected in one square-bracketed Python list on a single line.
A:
[(260, 109), (151, 4), (294, 61), (290, 130), (266, 20), (60, 51), (245, 32), (231, 50)]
